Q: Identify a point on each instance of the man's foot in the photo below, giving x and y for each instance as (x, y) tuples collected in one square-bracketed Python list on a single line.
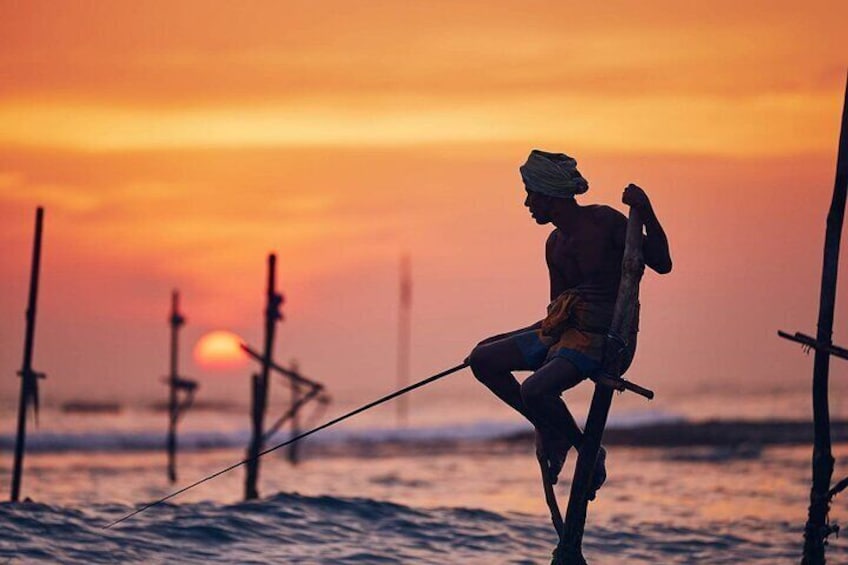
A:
[(599, 477), (552, 453)]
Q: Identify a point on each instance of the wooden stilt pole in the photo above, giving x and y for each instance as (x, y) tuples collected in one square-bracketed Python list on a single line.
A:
[(29, 378), (293, 451), (570, 551), (176, 321), (259, 389), (818, 528)]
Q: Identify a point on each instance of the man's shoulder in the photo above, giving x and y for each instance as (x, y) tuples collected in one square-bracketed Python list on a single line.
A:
[(607, 214)]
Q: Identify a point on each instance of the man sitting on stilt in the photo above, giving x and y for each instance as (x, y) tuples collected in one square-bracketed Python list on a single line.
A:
[(583, 254)]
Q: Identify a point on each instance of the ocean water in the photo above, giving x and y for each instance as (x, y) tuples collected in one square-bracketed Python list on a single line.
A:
[(437, 494)]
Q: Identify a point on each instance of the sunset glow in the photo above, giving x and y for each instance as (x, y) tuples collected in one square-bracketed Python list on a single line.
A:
[(175, 145), (255, 221)]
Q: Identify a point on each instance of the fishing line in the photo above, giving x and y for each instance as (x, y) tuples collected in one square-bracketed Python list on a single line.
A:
[(368, 406)]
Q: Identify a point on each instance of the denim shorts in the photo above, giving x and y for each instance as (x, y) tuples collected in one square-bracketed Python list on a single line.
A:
[(536, 353)]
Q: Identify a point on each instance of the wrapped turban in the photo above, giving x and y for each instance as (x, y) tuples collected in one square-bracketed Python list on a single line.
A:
[(553, 174)]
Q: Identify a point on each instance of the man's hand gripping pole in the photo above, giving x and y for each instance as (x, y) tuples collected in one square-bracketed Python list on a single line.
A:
[(618, 383)]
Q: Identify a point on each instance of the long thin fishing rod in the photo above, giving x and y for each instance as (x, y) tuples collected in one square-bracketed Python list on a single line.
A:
[(368, 406)]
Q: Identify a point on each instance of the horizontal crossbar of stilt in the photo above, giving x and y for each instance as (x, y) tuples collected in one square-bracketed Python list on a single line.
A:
[(293, 375), (619, 384), (181, 383), (812, 343), (291, 412), (839, 487)]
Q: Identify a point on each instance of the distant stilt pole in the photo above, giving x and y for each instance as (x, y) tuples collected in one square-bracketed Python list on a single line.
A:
[(404, 336), (259, 389), (29, 378), (293, 451), (176, 321)]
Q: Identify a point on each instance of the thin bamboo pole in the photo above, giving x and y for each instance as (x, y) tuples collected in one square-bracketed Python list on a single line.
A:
[(259, 388), (817, 528), (29, 378), (176, 321), (293, 451)]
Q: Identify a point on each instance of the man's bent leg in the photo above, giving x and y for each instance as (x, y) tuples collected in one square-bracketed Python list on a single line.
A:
[(492, 364), (556, 426), (540, 394)]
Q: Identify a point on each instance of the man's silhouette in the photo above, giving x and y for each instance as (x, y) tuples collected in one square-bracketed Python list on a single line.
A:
[(583, 254)]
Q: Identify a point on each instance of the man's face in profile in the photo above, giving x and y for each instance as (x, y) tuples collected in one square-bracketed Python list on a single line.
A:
[(540, 206)]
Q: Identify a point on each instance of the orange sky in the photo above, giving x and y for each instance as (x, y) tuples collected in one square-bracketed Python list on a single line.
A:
[(175, 144)]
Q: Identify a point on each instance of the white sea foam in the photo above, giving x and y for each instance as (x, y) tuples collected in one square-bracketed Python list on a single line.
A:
[(191, 440)]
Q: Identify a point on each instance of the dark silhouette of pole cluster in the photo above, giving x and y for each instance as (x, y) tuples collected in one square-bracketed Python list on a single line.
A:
[(181, 390), (303, 389), (29, 378), (818, 526), (304, 435)]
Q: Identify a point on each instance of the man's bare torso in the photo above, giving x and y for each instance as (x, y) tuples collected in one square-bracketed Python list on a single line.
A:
[(588, 252)]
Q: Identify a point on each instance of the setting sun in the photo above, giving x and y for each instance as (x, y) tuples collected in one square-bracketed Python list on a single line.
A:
[(219, 350)]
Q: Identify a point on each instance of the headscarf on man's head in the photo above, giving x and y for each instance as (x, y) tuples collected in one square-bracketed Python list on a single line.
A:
[(553, 174)]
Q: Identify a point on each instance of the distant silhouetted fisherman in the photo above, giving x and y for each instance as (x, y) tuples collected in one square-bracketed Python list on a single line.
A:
[(584, 256)]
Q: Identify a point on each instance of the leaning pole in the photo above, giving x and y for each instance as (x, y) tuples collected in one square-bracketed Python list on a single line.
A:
[(29, 378)]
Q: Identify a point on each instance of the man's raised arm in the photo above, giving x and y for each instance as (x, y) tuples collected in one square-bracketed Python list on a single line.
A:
[(657, 254)]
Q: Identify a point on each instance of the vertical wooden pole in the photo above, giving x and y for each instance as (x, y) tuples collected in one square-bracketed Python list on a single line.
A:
[(570, 549), (176, 321), (404, 336), (29, 378), (293, 452), (256, 416), (259, 394), (817, 528)]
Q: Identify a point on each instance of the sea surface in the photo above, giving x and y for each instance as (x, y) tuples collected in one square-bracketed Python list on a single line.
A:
[(437, 494)]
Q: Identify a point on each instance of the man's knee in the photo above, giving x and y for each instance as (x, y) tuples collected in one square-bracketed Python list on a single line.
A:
[(487, 364), (532, 391), (480, 362)]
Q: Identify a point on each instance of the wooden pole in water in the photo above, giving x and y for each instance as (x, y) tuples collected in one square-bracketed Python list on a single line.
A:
[(259, 389), (293, 452), (176, 321), (404, 336), (570, 549), (29, 378), (818, 528)]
